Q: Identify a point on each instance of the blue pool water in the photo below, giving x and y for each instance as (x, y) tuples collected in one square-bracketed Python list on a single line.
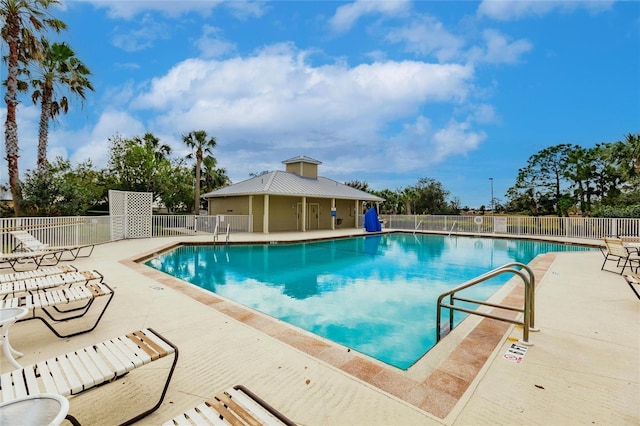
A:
[(375, 294)]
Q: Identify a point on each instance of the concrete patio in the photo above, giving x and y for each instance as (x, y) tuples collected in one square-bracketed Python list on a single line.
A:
[(582, 369)]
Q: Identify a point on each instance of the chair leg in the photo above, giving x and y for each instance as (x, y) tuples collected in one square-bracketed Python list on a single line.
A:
[(56, 320), (634, 289), (73, 420), (166, 384)]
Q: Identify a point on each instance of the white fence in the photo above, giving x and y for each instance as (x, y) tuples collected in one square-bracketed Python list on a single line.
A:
[(61, 231), (77, 230), (567, 227)]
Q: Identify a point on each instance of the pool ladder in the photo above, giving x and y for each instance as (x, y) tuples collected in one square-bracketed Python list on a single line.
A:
[(215, 233), (527, 322)]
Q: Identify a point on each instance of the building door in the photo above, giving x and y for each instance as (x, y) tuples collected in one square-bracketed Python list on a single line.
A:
[(313, 216)]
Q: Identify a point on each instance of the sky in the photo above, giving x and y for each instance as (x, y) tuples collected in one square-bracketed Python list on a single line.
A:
[(382, 92)]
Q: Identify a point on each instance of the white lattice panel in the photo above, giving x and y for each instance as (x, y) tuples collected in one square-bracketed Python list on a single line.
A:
[(131, 214)]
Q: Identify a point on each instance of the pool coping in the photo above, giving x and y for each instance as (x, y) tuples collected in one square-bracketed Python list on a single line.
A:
[(438, 384)]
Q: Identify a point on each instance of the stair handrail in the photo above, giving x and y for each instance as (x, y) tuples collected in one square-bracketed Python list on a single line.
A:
[(528, 322), (215, 233), (453, 226)]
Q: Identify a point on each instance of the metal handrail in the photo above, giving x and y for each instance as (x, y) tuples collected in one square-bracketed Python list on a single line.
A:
[(528, 322), (228, 229), (215, 233)]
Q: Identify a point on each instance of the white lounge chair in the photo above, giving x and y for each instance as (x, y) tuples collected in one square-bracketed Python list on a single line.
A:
[(35, 273), (61, 305), (236, 406), (50, 281), (29, 258), (81, 370), (27, 242)]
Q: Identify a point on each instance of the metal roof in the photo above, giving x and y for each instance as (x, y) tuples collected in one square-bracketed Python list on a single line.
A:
[(286, 183), (303, 159)]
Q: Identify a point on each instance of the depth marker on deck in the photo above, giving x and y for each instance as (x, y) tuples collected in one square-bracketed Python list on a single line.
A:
[(515, 353)]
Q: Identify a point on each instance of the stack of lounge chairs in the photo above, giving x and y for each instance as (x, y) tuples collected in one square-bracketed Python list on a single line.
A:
[(63, 295), (58, 299)]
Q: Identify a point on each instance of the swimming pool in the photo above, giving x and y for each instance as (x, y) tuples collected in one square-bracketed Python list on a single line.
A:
[(374, 294)]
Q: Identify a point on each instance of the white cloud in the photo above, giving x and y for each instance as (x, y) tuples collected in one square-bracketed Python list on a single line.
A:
[(421, 145), (455, 139), (484, 113), (94, 143), (128, 9), (211, 45), (143, 36), (499, 49), (507, 10), (428, 36), (347, 15), (274, 104)]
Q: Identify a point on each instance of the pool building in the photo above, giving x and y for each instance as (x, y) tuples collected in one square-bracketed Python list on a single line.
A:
[(297, 199)]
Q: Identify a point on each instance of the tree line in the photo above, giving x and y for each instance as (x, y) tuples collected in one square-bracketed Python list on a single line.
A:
[(560, 180), (140, 164)]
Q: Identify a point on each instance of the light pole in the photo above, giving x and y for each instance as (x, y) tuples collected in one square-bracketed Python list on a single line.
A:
[(491, 180)]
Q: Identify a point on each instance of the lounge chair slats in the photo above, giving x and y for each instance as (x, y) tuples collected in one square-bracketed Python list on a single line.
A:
[(98, 364), (242, 414), (50, 281), (30, 379), (42, 299), (253, 409), (42, 371), (86, 368), (206, 413), (6, 386), (88, 376), (73, 382), (236, 406), (112, 360), (36, 273), (27, 242), (226, 413), (53, 368), (70, 375)]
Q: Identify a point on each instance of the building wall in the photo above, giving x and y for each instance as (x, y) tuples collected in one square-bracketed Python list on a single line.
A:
[(284, 211), (344, 211), (303, 169), (229, 205), (258, 213)]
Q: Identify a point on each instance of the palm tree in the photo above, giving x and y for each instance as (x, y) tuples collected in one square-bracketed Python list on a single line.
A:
[(212, 177), (22, 19), (408, 196), (58, 66), (197, 140)]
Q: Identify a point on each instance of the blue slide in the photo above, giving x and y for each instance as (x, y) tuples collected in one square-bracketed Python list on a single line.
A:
[(371, 221)]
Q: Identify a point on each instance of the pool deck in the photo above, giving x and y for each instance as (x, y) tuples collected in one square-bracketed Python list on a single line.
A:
[(583, 366)]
